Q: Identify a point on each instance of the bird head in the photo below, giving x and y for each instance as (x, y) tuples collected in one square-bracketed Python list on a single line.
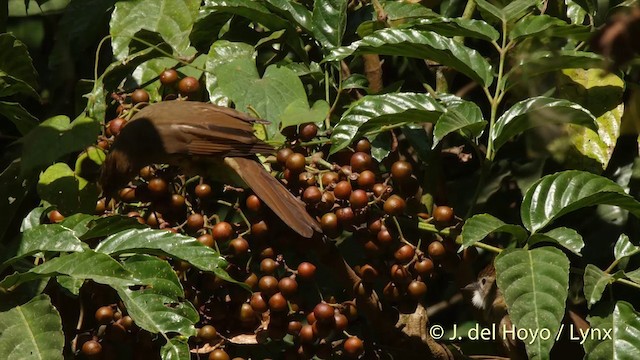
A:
[(484, 290)]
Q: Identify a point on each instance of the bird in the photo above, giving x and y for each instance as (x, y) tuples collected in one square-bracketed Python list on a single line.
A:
[(204, 138), (487, 297)]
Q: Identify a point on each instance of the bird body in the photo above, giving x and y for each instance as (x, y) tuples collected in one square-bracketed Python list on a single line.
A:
[(196, 135)]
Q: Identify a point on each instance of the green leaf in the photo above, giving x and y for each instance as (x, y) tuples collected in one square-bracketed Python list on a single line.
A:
[(460, 115), (71, 285), (157, 307), (455, 27), (595, 281), (538, 111), (355, 81), (17, 74), (223, 52), (33, 219), (373, 111), (31, 331), (565, 237), (490, 11), (175, 349), (329, 22), (88, 264), (299, 113), (60, 186), (563, 192), (516, 9), (269, 96), (161, 242), (292, 11), (109, 225), (403, 10), (624, 248), (47, 237), (55, 137), (148, 72), (530, 66), (477, 227), (633, 275), (548, 26), (18, 8), (535, 285), (621, 342), (422, 45), (19, 116), (13, 189), (171, 19), (207, 29)]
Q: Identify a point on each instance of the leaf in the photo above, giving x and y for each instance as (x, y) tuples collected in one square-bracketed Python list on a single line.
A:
[(518, 8), (451, 27), (88, 264), (157, 307), (55, 137), (17, 74), (31, 331), (374, 111), (534, 64), (19, 116), (162, 242), (490, 11), (624, 248), (478, 227), (633, 275), (422, 45), (60, 186), (47, 237), (223, 52), (565, 237), (329, 21), (595, 281), (548, 26), (71, 285), (538, 111), (109, 225), (619, 334), (147, 74), (175, 349), (563, 192), (33, 219), (14, 187), (460, 115), (292, 11), (269, 96), (171, 19), (404, 10), (299, 113), (355, 81), (535, 285)]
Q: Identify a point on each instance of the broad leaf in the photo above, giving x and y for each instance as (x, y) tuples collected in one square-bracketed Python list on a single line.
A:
[(538, 111), (91, 265), (60, 186), (532, 65), (47, 237), (55, 137), (162, 242), (624, 248), (17, 74), (109, 225), (490, 11), (422, 45), (222, 52), (157, 307), (31, 331), (460, 115), (545, 25), (19, 116), (374, 111), (618, 334), (405, 10), (455, 27), (329, 22), (13, 188), (175, 349), (269, 96), (535, 285), (595, 281), (565, 237), (292, 11), (299, 113), (563, 192), (477, 227), (71, 285), (171, 19)]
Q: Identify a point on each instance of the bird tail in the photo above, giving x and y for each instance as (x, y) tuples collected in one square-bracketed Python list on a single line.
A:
[(289, 208)]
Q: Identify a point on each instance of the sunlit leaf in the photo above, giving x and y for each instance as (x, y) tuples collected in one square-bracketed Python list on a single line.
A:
[(477, 227)]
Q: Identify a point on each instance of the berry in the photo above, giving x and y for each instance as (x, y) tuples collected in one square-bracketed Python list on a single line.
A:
[(308, 131), (353, 347), (417, 289), (401, 171), (91, 349), (294, 327), (139, 96), (359, 199), (55, 216), (329, 224), (342, 190), (367, 179), (361, 161), (239, 246), (203, 191), (195, 222), (219, 354), (104, 315), (268, 266), (436, 250), (258, 304), (424, 267), (312, 195), (188, 86), (207, 333), (306, 271), (115, 126), (282, 155), (329, 178), (443, 214), (323, 313), (296, 163), (268, 285), (177, 202), (278, 303), (405, 253), (206, 240), (254, 203), (394, 205), (363, 145), (288, 286), (222, 231), (341, 322), (158, 187), (168, 77), (345, 216), (307, 335)]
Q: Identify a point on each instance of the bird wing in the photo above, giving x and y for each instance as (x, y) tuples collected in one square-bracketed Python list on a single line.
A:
[(290, 209)]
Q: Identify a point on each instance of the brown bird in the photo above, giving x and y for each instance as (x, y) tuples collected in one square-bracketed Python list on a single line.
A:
[(208, 139)]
